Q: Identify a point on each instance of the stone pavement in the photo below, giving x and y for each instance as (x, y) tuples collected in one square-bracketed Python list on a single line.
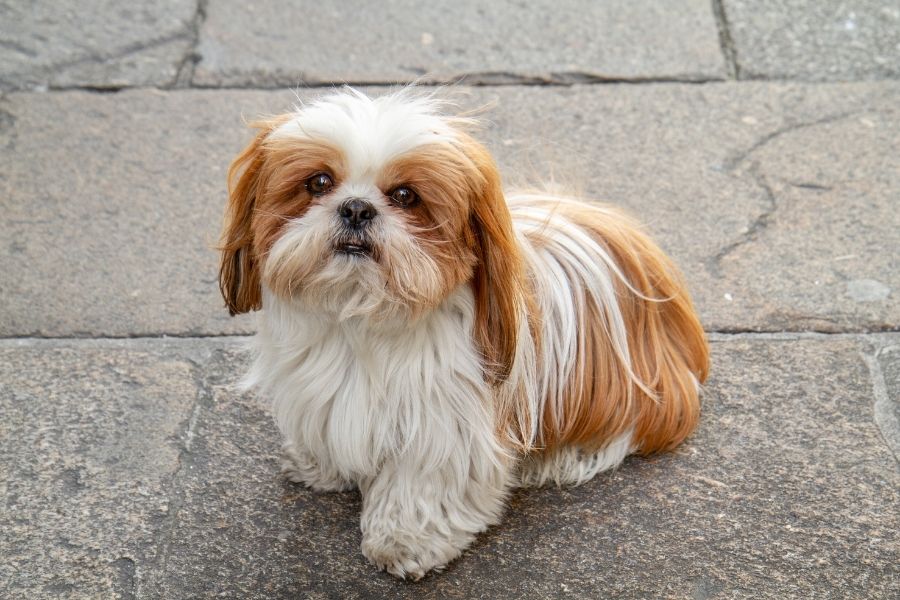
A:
[(759, 141)]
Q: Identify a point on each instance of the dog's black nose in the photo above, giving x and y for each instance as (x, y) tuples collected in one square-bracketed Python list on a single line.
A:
[(357, 213)]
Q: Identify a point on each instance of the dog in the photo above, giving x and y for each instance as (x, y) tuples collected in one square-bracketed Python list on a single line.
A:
[(435, 341)]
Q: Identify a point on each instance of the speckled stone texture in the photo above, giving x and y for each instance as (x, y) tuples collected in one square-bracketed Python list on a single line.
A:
[(135, 470), (777, 201), (94, 43), (815, 40), (113, 206), (885, 366), (91, 436), (268, 44)]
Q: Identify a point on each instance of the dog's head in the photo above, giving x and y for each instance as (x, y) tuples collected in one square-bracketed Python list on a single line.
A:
[(360, 207)]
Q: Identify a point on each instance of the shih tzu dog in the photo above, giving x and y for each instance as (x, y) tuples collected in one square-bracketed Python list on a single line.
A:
[(435, 341)]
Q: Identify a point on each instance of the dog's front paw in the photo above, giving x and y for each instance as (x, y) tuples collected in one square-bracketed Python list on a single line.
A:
[(299, 467), (409, 558)]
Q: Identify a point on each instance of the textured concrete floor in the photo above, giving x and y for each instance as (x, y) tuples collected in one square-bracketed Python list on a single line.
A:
[(759, 142)]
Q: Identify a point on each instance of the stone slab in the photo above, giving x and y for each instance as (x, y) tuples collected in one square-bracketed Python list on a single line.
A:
[(91, 436), (95, 43), (112, 210), (265, 44), (777, 200), (827, 40), (787, 489), (885, 366)]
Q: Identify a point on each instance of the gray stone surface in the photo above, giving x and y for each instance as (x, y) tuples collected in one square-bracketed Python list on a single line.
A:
[(778, 201), (270, 44), (136, 469), (884, 364), (828, 40), (112, 208), (98, 43), (91, 436)]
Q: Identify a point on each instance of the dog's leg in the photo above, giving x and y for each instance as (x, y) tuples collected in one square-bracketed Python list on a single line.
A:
[(417, 518), (299, 466)]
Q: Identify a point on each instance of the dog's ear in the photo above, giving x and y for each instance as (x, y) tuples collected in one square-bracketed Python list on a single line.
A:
[(498, 281), (239, 274)]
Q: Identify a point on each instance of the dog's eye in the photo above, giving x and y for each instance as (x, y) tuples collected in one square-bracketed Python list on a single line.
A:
[(404, 197), (319, 184)]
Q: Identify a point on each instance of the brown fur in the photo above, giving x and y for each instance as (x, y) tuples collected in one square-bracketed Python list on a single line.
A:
[(265, 189), (440, 175), (666, 343), (464, 218)]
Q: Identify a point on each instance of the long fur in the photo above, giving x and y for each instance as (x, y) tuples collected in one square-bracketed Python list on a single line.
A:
[(489, 340)]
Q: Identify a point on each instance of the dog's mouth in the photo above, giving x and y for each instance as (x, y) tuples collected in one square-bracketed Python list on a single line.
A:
[(353, 247)]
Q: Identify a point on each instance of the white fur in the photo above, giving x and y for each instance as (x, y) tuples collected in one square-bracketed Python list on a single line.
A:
[(401, 410), (366, 393), (572, 466), (370, 131)]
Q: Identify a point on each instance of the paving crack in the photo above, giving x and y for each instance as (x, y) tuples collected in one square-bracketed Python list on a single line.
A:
[(809, 186), (756, 228), (743, 332), (188, 431), (185, 73), (7, 125), (87, 335), (563, 78), (47, 71), (733, 162), (278, 83), (884, 413), (767, 217), (274, 81), (726, 41)]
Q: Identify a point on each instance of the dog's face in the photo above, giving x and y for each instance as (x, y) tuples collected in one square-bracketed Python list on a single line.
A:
[(372, 208)]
